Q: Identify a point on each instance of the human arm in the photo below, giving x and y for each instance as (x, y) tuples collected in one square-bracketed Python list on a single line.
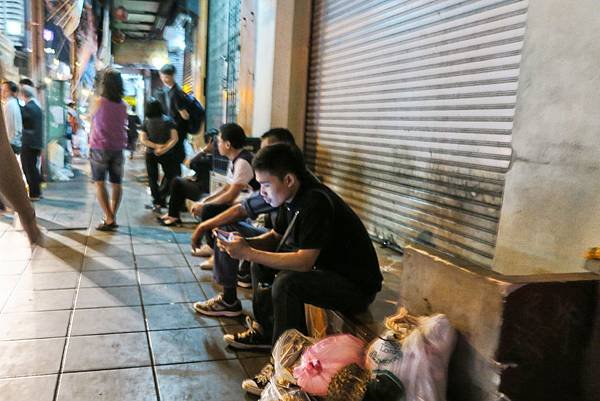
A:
[(12, 187), (146, 142), (302, 260), (231, 215), (164, 148), (94, 104)]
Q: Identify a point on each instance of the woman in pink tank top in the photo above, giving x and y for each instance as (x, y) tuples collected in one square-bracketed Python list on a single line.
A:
[(107, 141)]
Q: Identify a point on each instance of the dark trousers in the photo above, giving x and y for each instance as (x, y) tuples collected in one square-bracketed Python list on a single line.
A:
[(29, 161), (208, 212), (280, 306), (182, 189), (226, 268), (202, 164), (171, 169)]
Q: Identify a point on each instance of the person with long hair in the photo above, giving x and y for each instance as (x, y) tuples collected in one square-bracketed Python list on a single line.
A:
[(108, 139)]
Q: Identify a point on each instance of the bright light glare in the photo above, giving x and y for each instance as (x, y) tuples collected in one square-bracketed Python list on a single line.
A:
[(14, 27)]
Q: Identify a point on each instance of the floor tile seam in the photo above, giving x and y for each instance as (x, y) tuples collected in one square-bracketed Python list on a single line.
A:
[(66, 343), (195, 361), (69, 372), (217, 325), (147, 327), (28, 376), (69, 309)]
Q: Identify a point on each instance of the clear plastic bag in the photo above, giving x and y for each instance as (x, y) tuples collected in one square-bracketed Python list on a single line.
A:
[(426, 353), (324, 359), (286, 355), (273, 392)]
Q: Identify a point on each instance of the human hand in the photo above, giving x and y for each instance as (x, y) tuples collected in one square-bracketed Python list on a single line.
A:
[(159, 150), (197, 209), (184, 114), (197, 236), (237, 247)]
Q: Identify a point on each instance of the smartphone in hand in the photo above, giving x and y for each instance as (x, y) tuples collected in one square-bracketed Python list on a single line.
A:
[(224, 235)]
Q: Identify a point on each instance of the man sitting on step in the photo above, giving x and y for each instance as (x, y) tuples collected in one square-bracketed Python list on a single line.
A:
[(226, 272), (319, 249)]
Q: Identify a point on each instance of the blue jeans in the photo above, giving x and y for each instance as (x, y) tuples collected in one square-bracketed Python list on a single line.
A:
[(225, 270)]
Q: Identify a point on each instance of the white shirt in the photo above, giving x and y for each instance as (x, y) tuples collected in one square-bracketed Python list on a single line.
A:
[(13, 120), (240, 173)]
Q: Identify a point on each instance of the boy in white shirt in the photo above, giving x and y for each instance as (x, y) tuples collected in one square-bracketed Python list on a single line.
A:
[(240, 181)]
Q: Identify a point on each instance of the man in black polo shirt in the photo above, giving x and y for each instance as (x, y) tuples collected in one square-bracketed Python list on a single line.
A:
[(329, 260)]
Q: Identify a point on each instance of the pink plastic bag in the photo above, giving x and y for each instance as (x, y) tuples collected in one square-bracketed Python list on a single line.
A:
[(323, 360)]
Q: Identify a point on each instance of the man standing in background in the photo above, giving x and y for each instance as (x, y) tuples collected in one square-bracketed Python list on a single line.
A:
[(32, 142), (12, 115), (12, 118), (175, 104)]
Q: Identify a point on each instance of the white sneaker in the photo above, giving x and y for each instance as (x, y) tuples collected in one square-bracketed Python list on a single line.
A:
[(204, 251), (208, 264)]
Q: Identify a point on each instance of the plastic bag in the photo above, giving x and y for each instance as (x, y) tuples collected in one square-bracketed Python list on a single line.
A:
[(426, 353), (273, 392), (384, 385), (349, 384), (286, 354), (324, 359), (385, 353), (316, 321)]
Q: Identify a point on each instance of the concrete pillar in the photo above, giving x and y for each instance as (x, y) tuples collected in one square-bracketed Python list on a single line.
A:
[(282, 45), (551, 207)]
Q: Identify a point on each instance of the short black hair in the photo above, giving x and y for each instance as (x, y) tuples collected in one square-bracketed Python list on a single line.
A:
[(280, 159), (282, 135), (27, 81), (234, 134), (153, 108), (12, 86), (168, 69), (112, 85)]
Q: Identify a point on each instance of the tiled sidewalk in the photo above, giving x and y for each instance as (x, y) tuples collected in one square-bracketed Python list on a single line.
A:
[(97, 316)]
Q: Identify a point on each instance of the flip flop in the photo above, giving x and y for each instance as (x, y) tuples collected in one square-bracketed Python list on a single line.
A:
[(106, 227)]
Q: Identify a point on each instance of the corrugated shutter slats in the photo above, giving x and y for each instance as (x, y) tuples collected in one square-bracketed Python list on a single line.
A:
[(410, 112)]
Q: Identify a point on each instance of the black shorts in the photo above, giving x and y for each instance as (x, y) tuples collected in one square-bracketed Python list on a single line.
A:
[(107, 161)]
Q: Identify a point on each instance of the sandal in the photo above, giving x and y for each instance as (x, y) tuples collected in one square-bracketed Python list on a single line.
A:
[(103, 226), (171, 222)]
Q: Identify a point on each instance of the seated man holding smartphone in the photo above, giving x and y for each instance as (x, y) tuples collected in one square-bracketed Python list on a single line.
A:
[(225, 272), (320, 248)]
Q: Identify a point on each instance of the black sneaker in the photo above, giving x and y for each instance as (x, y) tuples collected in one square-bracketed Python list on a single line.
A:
[(244, 280), (257, 384), (252, 338), (217, 307)]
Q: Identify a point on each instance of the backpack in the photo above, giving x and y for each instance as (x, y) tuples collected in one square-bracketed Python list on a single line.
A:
[(197, 115)]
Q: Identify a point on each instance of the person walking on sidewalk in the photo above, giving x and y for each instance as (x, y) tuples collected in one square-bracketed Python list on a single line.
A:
[(108, 139), (32, 142)]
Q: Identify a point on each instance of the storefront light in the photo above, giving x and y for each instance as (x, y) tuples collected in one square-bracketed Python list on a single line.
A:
[(14, 27)]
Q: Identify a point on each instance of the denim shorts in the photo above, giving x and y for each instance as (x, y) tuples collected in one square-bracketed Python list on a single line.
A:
[(107, 161)]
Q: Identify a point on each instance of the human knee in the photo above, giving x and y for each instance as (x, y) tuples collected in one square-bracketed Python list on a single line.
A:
[(284, 284)]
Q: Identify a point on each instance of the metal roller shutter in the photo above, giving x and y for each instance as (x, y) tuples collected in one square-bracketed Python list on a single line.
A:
[(410, 113)]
